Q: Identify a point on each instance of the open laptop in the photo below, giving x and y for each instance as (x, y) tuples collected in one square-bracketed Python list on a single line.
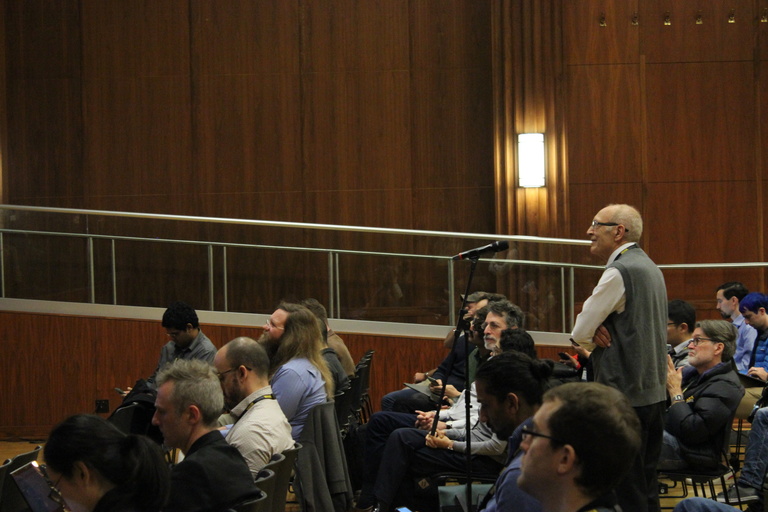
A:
[(37, 490)]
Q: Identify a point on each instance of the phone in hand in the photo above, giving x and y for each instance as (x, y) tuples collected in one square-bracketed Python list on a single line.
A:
[(431, 379), (120, 391), (564, 355)]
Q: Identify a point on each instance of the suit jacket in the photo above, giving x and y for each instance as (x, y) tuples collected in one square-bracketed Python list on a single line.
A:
[(212, 477)]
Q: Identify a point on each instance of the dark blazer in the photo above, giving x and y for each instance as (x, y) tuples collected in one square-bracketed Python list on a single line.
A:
[(213, 476)]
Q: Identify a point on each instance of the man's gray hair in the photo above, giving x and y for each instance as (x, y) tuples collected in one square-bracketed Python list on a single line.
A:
[(511, 313), (195, 383), (630, 218), (721, 331)]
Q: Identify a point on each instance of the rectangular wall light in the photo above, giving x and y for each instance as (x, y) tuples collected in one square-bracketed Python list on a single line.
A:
[(530, 160)]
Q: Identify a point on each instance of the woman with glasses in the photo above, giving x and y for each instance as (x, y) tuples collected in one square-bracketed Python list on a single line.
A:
[(97, 468)]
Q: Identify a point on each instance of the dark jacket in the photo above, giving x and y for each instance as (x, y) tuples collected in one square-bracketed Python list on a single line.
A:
[(699, 423)]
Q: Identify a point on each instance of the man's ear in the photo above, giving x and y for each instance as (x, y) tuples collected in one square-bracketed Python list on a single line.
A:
[(568, 461), (194, 414), (513, 403)]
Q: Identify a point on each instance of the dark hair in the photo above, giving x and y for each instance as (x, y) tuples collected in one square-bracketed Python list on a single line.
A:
[(733, 289), (249, 353), (133, 464), (681, 312), (320, 313), (606, 453), (178, 315), (515, 372), (518, 340), (753, 302), (512, 314)]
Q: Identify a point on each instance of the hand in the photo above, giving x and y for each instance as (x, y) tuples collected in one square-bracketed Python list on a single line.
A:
[(419, 377), (451, 392), (436, 387), (674, 378), (439, 440), (126, 391), (582, 351), (570, 361), (602, 337), (758, 372), (424, 419)]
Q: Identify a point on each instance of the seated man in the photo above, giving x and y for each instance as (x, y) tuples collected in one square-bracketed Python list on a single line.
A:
[(300, 376), (704, 398), (748, 488), (729, 296), (334, 340), (413, 453), (681, 317), (260, 429), (753, 307), (187, 340), (213, 474), (583, 441)]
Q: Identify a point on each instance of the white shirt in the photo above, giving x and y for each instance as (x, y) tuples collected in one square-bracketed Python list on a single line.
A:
[(608, 296)]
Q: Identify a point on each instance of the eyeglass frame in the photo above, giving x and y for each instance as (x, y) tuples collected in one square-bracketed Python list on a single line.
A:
[(273, 326), (527, 432), (697, 341), (222, 374), (595, 224)]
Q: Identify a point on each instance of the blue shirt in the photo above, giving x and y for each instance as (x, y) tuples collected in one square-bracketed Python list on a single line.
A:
[(745, 342), (298, 386)]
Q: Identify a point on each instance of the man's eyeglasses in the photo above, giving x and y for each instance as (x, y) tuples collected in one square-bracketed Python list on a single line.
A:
[(595, 225), (222, 374), (528, 433), (273, 326), (697, 341)]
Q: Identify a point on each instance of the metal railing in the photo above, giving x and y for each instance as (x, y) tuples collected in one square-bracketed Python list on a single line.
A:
[(24, 221)]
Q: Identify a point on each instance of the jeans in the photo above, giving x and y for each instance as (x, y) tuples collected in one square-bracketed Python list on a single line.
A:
[(756, 454), (702, 505)]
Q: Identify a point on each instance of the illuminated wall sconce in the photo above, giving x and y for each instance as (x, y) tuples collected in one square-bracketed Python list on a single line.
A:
[(530, 160)]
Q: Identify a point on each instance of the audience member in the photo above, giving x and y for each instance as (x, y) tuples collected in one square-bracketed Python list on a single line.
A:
[(333, 339), (506, 406), (728, 298), (624, 319), (213, 474), (501, 315), (704, 397), (583, 441), (300, 376), (413, 453), (97, 468), (753, 306), (748, 487), (516, 340), (187, 340), (377, 431), (681, 319), (261, 430)]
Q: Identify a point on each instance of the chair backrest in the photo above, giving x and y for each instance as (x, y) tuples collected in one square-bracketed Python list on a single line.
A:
[(283, 469), (259, 504), (3, 474), (266, 482), (343, 404), (12, 499)]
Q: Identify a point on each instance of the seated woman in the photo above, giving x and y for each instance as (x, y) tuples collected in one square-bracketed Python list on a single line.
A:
[(98, 468)]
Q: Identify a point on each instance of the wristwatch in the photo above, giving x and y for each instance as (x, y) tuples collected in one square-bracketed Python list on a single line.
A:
[(678, 398)]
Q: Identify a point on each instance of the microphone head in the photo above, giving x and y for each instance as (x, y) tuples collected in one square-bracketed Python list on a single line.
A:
[(501, 245)]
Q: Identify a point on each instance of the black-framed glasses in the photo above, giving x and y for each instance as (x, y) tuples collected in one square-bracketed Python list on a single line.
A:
[(696, 341), (528, 433), (222, 374), (596, 224)]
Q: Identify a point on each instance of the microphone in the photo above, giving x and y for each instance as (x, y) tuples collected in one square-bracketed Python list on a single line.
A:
[(501, 245)]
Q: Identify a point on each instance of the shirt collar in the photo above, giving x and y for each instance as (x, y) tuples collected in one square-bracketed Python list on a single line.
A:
[(240, 408), (618, 251)]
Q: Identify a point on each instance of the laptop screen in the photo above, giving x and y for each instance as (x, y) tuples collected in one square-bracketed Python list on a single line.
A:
[(38, 491)]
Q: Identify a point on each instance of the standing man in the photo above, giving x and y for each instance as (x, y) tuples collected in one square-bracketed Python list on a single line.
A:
[(261, 430), (624, 321), (213, 474), (187, 340), (568, 471), (728, 296)]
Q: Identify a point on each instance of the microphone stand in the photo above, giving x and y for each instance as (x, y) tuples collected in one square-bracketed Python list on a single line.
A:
[(462, 326)]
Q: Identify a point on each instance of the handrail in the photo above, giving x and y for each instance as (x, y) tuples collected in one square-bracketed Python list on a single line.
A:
[(566, 279)]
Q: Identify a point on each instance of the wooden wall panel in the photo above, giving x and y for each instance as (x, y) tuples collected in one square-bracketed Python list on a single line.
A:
[(683, 40), (701, 122), (245, 37), (762, 30), (247, 122), (604, 124), (587, 41)]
